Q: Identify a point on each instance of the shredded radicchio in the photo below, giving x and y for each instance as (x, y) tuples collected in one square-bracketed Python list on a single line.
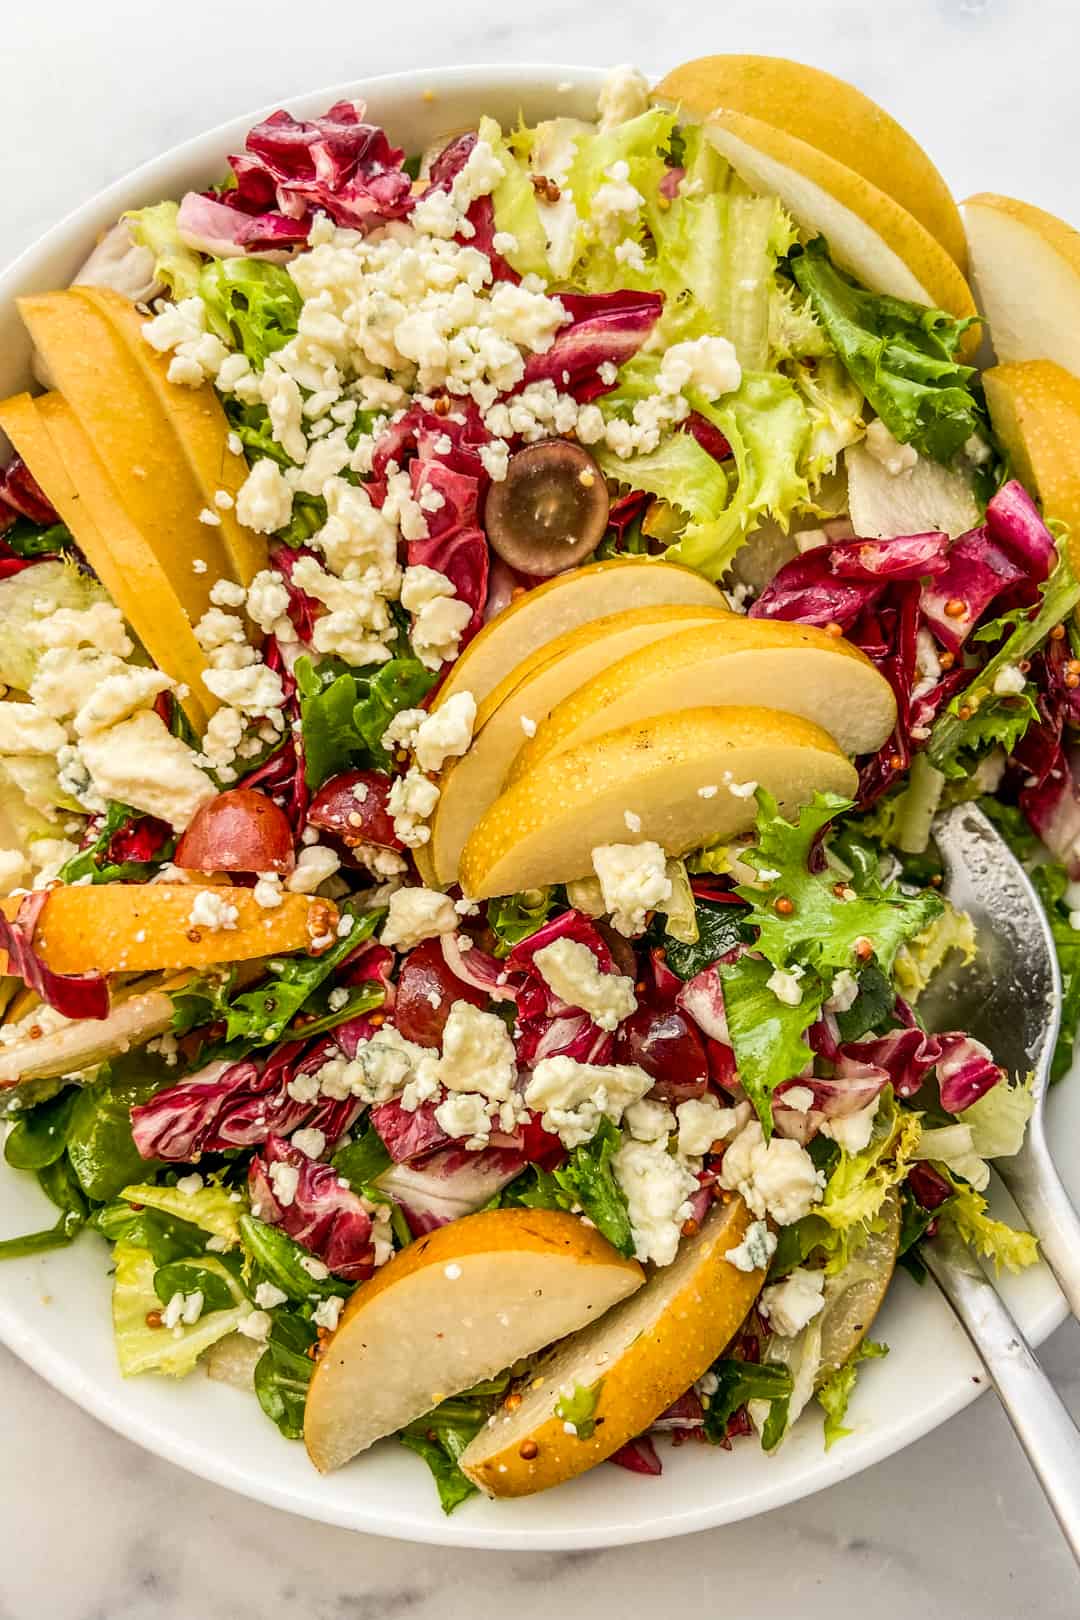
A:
[(83, 995), (323, 1213)]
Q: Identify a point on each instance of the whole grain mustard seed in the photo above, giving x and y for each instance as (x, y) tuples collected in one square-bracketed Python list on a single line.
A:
[(528, 1450)]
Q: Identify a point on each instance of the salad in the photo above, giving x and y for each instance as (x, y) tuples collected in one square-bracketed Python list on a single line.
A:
[(487, 633)]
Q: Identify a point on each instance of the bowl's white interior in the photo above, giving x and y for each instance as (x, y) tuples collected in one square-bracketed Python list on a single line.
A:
[(54, 1310)]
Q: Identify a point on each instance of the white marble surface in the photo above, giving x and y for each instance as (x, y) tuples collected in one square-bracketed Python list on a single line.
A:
[(93, 1529)]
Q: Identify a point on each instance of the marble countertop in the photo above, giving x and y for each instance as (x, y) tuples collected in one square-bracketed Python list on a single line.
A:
[(94, 1529)]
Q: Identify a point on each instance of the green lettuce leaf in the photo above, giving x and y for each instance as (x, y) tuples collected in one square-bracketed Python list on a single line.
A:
[(441, 1436), (517, 212), (251, 306), (344, 714), (176, 264), (860, 1183), (141, 1348), (919, 958), (515, 916), (283, 1372), (212, 1209), (766, 1033), (836, 1392), (739, 1383), (585, 1182), (901, 355), (834, 405), (966, 1213)]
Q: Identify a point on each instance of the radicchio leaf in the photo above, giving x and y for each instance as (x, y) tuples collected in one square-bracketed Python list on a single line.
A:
[(83, 995)]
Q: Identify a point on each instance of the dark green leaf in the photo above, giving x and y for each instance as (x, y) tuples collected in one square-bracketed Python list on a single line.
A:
[(515, 916), (278, 1260), (260, 1016), (588, 1178), (59, 1236), (872, 1007), (364, 1160), (718, 932), (345, 715), (740, 1382), (167, 1237), (27, 539), (453, 1486), (442, 1436), (189, 1277), (901, 355), (283, 1372), (39, 1135), (100, 1144), (60, 1186), (1051, 881), (93, 864), (776, 1423)]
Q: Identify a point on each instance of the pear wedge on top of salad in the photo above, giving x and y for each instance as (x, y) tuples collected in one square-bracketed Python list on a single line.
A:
[(487, 632)]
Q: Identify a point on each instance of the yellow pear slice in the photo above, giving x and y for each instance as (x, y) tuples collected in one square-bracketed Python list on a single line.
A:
[(869, 233), (919, 500), (560, 604), (830, 114), (1025, 266), (1035, 409), (664, 771), (452, 1309), (637, 1359), (200, 425), (118, 411), (794, 667), (54, 446), (520, 701)]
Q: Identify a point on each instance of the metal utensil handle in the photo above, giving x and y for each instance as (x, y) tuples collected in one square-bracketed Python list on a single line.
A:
[(1046, 1207), (1039, 1418)]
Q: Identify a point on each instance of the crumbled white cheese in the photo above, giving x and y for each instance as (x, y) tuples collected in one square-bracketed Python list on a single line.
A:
[(777, 1177), (477, 1053), (416, 915), (702, 1122), (327, 1312), (756, 1249), (571, 970), (255, 1325), (648, 1120), (140, 763), (657, 1188), (708, 364), (1009, 681), (896, 458), (310, 1140), (785, 986), (314, 865), (212, 910), (412, 799), (268, 1295), (573, 1097), (265, 500), (623, 95), (284, 1179), (446, 733), (633, 881), (852, 1132), (789, 1305), (844, 992), (267, 891)]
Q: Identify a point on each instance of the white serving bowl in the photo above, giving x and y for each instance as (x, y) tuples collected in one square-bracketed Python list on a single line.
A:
[(54, 1309)]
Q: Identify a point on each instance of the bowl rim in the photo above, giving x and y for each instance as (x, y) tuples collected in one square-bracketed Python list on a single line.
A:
[(56, 1364)]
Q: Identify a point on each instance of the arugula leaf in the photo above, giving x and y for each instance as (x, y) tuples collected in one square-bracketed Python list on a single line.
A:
[(264, 1015), (92, 863), (278, 1258), (766, 1033), (363, 1161), (740, 1382), (976, 717), (579, 1408), (26, 539), (901, 355), (344, 715), (836, 1392), (441, 1437), (515, 916), (586, 1182), (719, 931), (283, 1372)]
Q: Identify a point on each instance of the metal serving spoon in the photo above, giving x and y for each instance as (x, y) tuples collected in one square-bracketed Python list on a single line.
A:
[(1009, 997)]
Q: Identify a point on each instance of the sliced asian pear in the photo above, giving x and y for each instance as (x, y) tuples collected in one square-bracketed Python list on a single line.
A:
[(687, 777), (62, 458), (563, 603), (794, 667), (919, 500), (119, 411), (1025, 267), (869, 233), (636, 1360), (519, 703), (1035, 409), (137, 927), (452, 1309), (833, 116), (136, 1015), (201, 428)]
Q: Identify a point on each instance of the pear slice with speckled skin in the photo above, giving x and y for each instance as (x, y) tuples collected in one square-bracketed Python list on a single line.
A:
[(796, 667), (538, 616), (869, 233), (1025, 266), (1035, 409), (638, 1359), (831, 115), (687, 777), (508, 714), (454, 1308)]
